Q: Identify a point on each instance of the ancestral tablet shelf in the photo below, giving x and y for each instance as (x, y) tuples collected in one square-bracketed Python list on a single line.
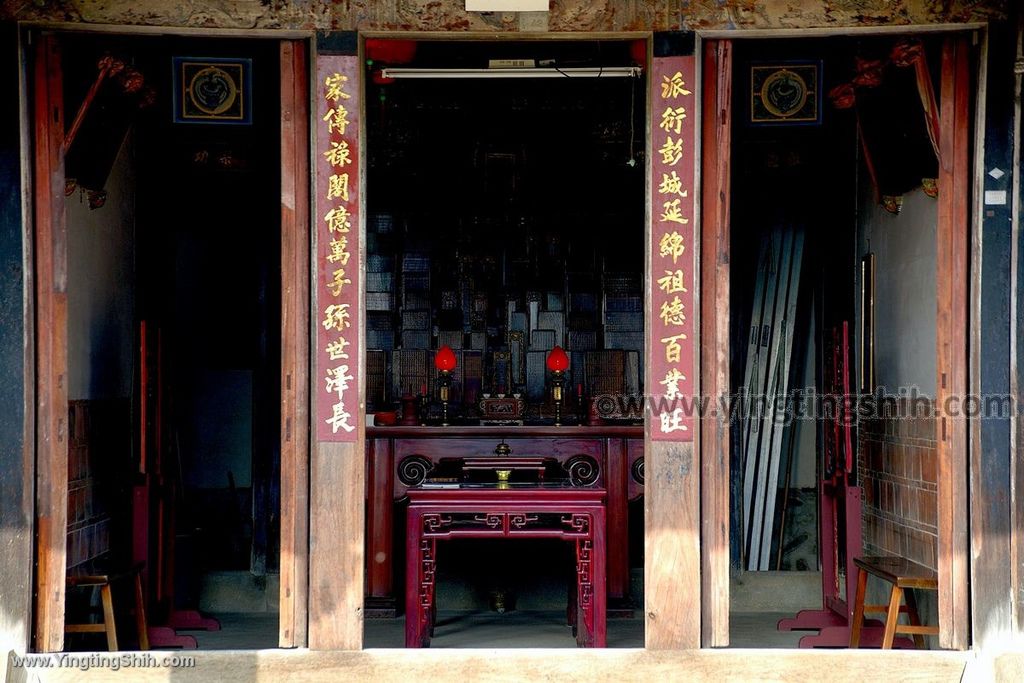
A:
[(399, 431)]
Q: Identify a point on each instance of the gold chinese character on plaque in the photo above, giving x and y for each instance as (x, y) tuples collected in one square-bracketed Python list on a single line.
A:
[(673, 213), (672, 184), (336, 349), (673, 422), (337, 120), (337, 380), (337, 252), (671, 244), (673, 86), (339, 418), (671, 152), (673, 349), (672, 379), (337, 186), (338, 282), (334, 87), (672, 282), (338, 155), (672, 120), (337, 219), (336, 317), (673, 312)]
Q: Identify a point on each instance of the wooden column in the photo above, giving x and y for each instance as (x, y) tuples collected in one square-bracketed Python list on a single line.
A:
[(672, 565), (295, 173), (716, 155), (51, 348), (951, 341), (380, 527), (338, 461), (617, 483)]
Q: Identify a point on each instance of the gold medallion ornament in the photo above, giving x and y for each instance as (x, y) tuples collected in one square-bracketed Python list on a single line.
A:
[(784, 93), (212, 91)]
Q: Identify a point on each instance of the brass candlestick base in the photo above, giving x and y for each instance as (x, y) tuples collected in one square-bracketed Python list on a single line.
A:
[(557, 384), (444, 377), (499, 601)]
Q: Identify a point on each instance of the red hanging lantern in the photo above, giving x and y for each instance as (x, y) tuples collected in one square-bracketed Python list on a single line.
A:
[(445, 359), (638, 52), (390, 51), (558, 360)]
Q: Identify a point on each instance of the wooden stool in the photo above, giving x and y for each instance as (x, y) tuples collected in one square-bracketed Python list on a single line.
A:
[(903, 575), (106, 598)]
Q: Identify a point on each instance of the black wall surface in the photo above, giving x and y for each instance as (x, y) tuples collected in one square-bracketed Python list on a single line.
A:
[(16, 492), (991, 461)]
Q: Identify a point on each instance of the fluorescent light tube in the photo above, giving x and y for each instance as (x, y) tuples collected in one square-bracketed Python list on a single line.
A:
[(568, 72)]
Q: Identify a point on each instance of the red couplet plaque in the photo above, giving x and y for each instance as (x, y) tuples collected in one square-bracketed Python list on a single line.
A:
[(671, 354), (336, 225)]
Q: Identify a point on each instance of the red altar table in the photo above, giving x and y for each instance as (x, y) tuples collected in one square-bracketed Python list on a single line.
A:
[(608, 457), (576, 515)]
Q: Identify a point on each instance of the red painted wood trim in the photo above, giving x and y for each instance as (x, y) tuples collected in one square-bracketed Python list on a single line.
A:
[(380, 519), (295, 173), (714, 339), (51, 347), (951, 340), (616, 481)]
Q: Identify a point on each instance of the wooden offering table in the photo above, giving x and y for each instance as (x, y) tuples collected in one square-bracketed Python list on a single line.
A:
[(507, 511), (399, 458)]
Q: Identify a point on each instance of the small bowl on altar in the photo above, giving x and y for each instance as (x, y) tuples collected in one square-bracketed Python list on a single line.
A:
[(385, 418)]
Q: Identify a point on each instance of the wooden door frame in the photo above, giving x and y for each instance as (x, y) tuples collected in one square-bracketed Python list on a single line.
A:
[(954, 279), (51, 393), (47, 232), (51, 454), (716, 180), (293, 627), (954, 276)]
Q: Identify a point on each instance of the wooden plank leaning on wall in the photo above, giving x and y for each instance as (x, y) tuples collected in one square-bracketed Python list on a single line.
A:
[(716, 124), (51, 347), (951, 340), (293, 626)]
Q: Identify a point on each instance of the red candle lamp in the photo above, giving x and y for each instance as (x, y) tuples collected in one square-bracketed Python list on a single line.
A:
[(445, 362), (558, 363)]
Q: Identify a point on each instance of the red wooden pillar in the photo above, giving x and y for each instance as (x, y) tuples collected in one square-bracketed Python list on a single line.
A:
[(716, 157), (51, 347), (616, 483), (951, 340), (380, 524)]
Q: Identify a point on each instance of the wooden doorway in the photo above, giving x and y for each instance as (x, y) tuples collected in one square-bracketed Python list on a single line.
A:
[(45, 87), (951, 302)]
